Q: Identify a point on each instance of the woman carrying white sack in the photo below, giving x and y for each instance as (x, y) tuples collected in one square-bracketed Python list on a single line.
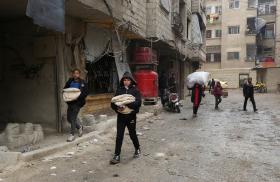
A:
[(126, 103)]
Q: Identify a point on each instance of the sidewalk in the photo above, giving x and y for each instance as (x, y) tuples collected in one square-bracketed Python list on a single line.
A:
[(55, 142)]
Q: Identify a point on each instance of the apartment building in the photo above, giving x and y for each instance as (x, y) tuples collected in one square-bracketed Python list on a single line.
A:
[(241, 41), (268, 60), (231, 40)]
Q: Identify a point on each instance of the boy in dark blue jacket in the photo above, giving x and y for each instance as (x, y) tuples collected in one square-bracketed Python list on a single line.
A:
[(75, 106)]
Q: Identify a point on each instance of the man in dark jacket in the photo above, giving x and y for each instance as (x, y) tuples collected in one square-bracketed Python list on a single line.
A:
[(74, 106), (163, 85), (197, 94), (172, 83), (127, 86), (248, 92)]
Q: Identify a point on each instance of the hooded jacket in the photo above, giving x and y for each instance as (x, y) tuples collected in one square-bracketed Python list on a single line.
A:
[(248, 90), (132, 90)]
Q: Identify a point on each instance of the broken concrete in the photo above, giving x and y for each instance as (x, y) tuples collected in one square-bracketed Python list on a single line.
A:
[(18, 135)]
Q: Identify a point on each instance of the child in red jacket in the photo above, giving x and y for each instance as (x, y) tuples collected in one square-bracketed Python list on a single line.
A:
[(218, 91)]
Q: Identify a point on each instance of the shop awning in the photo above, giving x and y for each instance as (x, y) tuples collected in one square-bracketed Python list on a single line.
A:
[(49, 14)]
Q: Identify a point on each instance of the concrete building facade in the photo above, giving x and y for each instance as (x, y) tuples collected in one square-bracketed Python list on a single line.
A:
[(230, 47), (99, 38)]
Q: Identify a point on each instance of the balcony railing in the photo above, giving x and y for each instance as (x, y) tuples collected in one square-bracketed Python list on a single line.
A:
[(267, 9), (176, 23)]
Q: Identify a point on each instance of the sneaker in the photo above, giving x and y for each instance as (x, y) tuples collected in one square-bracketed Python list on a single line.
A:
[(244, 109), (194, 115), (80, 131), (256, 110), (71, 138), (116, 159), (137, 153)]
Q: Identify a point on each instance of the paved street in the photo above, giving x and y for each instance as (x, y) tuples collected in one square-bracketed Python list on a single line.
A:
[(226, 145)]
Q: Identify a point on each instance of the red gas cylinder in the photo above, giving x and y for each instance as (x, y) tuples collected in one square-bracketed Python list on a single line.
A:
[(147, 83), (145, 55)]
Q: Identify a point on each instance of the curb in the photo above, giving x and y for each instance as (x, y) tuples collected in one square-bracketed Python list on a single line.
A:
[(101, 128)]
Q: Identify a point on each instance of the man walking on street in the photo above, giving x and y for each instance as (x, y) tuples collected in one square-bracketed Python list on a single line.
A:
[(127, 86), (163, 85), (197, 94), (74, 106), (248, 92), (172, 83)]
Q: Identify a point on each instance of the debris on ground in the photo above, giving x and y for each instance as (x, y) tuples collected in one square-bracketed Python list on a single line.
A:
[(70, 153), (159, 155), (53, 174), (146, 128), (116, 175), (139, 134), (53, 167)]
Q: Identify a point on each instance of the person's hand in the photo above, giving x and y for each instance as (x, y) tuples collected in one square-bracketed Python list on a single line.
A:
[(121, 108), (203, 95)]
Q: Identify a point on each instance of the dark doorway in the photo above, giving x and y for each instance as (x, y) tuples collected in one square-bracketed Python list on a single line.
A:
[(102, 75), (242, 78)]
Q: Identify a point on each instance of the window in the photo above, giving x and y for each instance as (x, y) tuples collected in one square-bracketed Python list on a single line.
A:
[(234, 4), (267, 9), (251, 52), (209, 10), (267, 49), (217, 57), (252, 3), (208, 57), (213, 57), (218, 33), (269, 31), (165, 5), (233, 29), (209, 34), (233, 55), (251, 26), (218, 10)]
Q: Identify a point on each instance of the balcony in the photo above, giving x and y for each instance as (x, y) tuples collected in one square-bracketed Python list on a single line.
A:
[(198, 6), (214, 19), (176, 23)]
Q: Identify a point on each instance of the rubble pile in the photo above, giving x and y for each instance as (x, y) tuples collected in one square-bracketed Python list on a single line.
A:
[(17, 135)]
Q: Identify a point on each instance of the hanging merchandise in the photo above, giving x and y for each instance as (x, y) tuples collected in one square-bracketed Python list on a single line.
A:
[(49, 14)]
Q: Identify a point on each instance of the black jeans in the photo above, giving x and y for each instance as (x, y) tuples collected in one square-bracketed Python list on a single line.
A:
[(195, 109), (252, 99), (162, 92), (218, 100), (72, 114), (124, 121)]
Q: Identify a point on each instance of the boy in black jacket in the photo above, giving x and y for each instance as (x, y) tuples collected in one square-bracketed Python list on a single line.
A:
[(127, 86), (75, 106)]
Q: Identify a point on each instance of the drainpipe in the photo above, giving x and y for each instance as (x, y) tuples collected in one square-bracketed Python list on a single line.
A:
[(58, 86)]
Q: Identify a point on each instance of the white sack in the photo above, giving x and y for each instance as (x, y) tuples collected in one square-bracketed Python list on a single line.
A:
[(71, 94), (200, 77)]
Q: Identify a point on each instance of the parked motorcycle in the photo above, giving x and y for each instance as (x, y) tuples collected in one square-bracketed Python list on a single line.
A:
[(172, 101)]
